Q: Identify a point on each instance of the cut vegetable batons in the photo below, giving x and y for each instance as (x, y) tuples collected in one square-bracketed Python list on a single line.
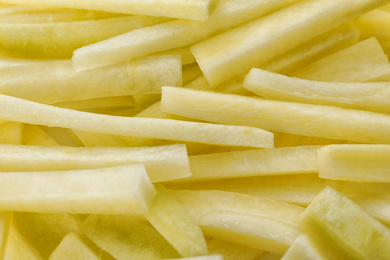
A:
[(56, 81), (363, 61), (59, 40), (73, 247), (35, 135), (56, 16), (232, 251), (344, 229), (281, 116), (126, 238), (325, 44), (186, 9), (304, 248), (98, 103), (172, 34), (375, 23), (235, 52), (243, 219), (227, 135), (11, 133), (178, 227), (18, 247), (114, 190), (236, 164), (370, 96), (10, 59), (5, 225), (362, 163), (161, 162)]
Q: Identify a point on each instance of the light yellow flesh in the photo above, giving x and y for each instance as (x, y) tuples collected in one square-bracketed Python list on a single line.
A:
[(5, 225), (170, 218), (237, 51), (73, 247), (362, 163), (294, 118), (126, 238), (304, 248), (56, 81), (11, 133), (173, 34), (363, 61), (229, 135), (344, 228), (115, 190), (35, 135), (370, 96)]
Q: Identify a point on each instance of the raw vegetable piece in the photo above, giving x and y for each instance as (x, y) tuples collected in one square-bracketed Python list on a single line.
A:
[(7, 9), (363, 61), (362, 163), (235, 164), (11, 133), (187, 9), (173, 34), (370, 96), (10, 59), (184, 52), (99, 140), (320, 46), (344, 228), (294, 118), (228, 135), (19, 248), (232, 217), (250, 230), (56, 81), (113, 190), (191, 72), (178, 227), (35, 135), (235, 52), (5, 225), (45, 231), (203, 257), (59, 40), (126, 238), (232, 251), (105, 102), (161, 162), (271, 256), (55, 16), (375, 23), (290, 140), (304, 248), (73, 247), (63, 136)]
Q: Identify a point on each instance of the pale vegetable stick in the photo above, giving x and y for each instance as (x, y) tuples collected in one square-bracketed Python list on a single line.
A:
[(56, 81), (7, 9), (344, 229), (277, 161), (35, 135), (229, 135), (11, 133), (126, 238), (304, 248), (362, 163), (237, 51), (99, 140), (233, 251), (364, 61), (161, 162), (370, 96), (63, 136), (18, 247), (250, 230), (10, 59), (59, 40), (114, 190), (55, 16), (184, 52), (5, 225), (233, 216), (178, 227), (295, 118), (173, 34), (320, 46), (187, 9), (73, 247), (105, 102), (45, 231), (290, 140)]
